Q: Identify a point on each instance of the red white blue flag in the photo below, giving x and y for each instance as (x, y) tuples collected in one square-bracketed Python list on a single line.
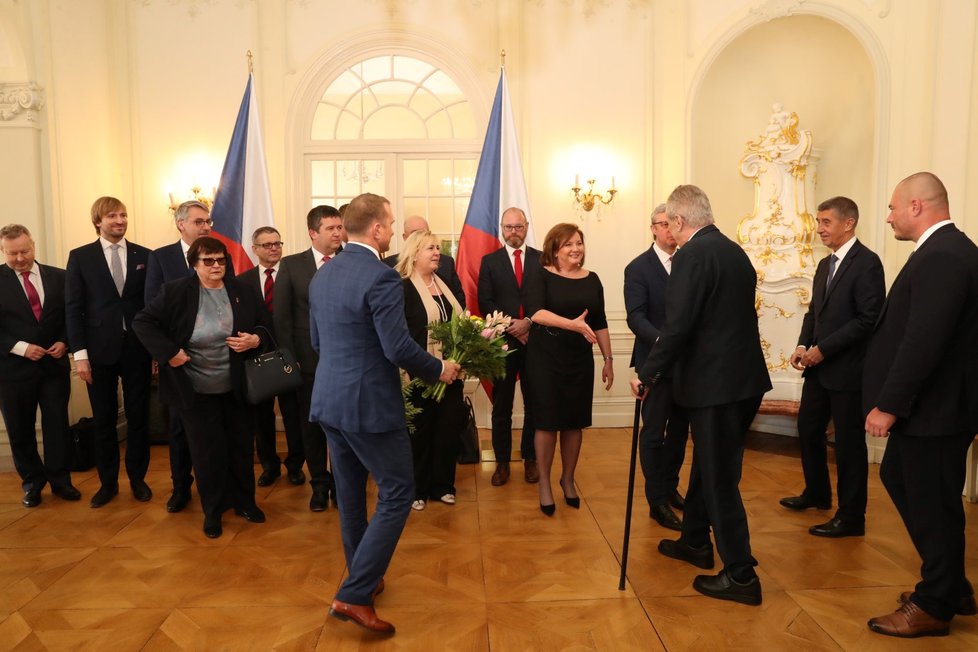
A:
[(243, 201), (499, 184)]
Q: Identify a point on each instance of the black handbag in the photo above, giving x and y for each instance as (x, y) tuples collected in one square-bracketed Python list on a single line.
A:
[(271, 373), (468, 451)]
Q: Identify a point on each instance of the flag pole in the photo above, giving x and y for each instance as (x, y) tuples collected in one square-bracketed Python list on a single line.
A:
[(251, 60), (502, 59)]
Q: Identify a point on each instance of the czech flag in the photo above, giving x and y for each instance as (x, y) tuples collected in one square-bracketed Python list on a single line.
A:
[(499, 184), (243, 201)]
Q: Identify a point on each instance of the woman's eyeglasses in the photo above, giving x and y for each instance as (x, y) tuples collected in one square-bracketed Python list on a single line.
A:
[(209, 262)]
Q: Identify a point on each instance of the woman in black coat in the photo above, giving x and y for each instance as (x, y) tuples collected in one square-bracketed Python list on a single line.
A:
[(200, 330)]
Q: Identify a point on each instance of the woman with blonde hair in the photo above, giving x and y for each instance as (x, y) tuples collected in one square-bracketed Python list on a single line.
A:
[(434, 443), (565, 303)]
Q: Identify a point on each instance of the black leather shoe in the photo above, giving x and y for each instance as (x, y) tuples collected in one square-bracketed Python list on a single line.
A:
[(141, 491), (178, 500), (724, 587), (548, 510), (267, 478), (319, 501), (32, 498), (666, 517), (836, 528), (297, 477), (251, 514), (212, 527), (799, 503), (66, 492), (103, 496), (701, 557), (676, 501)]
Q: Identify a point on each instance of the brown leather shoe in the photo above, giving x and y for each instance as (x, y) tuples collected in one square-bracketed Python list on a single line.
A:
[(966, 606), (362, 615), (501, 476), (377, 589), (909, 621), (530, 472)]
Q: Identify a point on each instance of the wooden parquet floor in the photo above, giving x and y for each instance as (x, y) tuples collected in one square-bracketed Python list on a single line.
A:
[(490, 573)]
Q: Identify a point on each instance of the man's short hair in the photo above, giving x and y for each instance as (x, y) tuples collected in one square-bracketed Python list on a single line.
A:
[(13, 231), (102, 207), (692, 203), (180, 214), (363, 211), (315, 217), (262, 230), (843, 206), (661, 208)]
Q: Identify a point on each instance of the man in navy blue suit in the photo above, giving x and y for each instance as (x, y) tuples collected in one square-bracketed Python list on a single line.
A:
[(356, 308), (166, 264), (104, 285), (665, 426)]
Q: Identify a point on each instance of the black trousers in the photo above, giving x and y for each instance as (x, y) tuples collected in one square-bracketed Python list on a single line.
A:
[(924, 477), (662, 443), (134, 369), (313, 440), (265, 434), (713, 499), (181, 466), (19, 401), (435, 441), (503, 393), (220, 431), (818, 405)]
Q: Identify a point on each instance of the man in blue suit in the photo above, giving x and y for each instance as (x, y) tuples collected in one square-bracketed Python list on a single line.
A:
[(166, 264), (357, 307)]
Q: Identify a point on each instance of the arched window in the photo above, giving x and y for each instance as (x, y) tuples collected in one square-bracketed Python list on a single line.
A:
[(400, 127)]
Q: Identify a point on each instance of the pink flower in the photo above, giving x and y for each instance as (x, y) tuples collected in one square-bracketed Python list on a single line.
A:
[(505, 347), (487, 333)]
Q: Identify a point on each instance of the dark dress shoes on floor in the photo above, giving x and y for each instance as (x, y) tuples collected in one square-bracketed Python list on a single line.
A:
[(676, 501), (836, 528), (141, 491), (103, 496), (530, 472), (501, 475), (32, 498), (966, 606), (268, 477), (251, 514), (701, 557), (319, 501), (724, 587), (909, 621), (362, 615), (548, 510), (665, 517), (212, 527), (179, 499), (66, 492), (799, 503), (297, 477)]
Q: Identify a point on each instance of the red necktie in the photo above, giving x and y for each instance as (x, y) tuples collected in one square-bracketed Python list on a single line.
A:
[(32, 295), (518, 268), (325, 259), (269, 288)]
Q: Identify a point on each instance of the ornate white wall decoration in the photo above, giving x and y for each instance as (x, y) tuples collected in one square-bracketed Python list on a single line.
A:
[(22, 98), (779, 236)]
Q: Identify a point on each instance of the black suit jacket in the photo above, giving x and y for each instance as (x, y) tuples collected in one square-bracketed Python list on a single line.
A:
[(254, 278), (167, 323), (497, 284), (291, 308), (446, 270), (94, 311), (922, 360), (841, 318), (646, 279), (17, 324), (710, 339)]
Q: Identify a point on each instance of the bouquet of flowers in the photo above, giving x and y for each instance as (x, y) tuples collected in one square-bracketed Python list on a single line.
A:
[(476, 344)]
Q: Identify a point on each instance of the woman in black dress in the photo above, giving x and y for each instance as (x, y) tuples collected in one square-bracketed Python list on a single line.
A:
[(566, 305)]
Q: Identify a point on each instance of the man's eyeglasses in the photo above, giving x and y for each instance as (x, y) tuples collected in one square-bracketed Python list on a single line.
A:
[(513, 227), (660, 223), (270, 245), (200, 223), (209, 262)]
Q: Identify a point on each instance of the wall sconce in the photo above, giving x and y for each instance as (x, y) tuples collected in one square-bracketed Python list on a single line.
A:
[(588, 199), (206, 200)]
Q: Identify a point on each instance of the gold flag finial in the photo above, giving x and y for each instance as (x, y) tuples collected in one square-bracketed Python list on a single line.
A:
[(251, 61), (502, 58)]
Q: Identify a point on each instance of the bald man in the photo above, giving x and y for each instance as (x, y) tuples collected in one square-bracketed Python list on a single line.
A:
[(920, 389), (446, 264)]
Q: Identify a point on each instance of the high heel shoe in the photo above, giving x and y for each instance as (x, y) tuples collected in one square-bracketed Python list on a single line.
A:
[(574, 502), (548, 509)]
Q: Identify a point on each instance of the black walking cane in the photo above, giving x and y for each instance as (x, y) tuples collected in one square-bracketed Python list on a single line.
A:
[(631, 490)]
